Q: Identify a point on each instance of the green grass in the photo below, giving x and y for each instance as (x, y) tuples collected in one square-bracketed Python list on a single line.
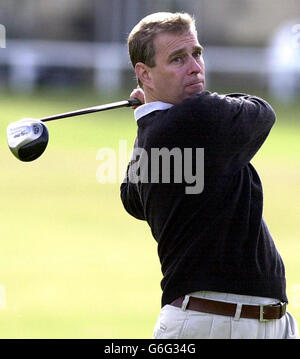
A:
[(73, 263)]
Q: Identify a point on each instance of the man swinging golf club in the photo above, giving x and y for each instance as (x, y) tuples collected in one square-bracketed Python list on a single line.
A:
[(222, 274)]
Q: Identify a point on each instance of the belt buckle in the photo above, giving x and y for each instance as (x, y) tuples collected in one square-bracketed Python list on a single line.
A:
[(282, 309), (261, 314)]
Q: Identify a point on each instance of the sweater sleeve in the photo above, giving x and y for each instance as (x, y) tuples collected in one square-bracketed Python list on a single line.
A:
[(130, 196), (238, 125), (243, 119), (245, 128)]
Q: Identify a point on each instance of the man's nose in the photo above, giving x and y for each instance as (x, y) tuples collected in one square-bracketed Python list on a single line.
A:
[(194, 65)]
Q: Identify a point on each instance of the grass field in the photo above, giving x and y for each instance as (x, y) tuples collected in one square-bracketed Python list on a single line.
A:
[(73, 264)]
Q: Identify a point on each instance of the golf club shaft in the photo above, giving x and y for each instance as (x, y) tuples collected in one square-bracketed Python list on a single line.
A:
[(83, 111)]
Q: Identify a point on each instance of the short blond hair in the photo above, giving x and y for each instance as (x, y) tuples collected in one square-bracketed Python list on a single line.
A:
[(141, 39)]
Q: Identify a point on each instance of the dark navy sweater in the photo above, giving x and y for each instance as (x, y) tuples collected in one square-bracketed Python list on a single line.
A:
[(215, 240)]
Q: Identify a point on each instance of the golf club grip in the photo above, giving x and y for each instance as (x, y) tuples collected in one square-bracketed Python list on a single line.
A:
[(134, 102), (84, 111)]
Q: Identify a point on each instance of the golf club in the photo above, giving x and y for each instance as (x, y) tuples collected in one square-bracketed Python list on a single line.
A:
[(28, 138)]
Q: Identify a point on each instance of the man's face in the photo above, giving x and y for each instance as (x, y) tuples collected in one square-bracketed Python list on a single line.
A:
[(179, 71)]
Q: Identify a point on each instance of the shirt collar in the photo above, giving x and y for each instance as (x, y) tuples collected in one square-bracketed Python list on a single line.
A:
[(147, 108)]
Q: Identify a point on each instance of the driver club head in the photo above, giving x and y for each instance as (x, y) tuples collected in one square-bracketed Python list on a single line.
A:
[(27, 139)]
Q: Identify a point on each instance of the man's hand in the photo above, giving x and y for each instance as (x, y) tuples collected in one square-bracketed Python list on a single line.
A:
[(139, 94)]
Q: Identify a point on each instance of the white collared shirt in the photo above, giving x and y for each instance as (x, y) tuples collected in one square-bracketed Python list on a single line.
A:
[(147, 108)]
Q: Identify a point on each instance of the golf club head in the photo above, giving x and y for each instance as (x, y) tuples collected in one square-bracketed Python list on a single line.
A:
[(27, 138)]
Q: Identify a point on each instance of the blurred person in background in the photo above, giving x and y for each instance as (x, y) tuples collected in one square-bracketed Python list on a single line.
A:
[(222, 274)]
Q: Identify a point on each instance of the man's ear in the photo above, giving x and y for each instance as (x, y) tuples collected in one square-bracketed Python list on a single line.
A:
[(143, 73)]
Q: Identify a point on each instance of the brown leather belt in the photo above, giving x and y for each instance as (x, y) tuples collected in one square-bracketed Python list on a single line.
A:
[(261, 312)]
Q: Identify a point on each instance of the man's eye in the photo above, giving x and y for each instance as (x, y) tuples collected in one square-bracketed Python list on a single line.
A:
[(197, 54), (177, 59)]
